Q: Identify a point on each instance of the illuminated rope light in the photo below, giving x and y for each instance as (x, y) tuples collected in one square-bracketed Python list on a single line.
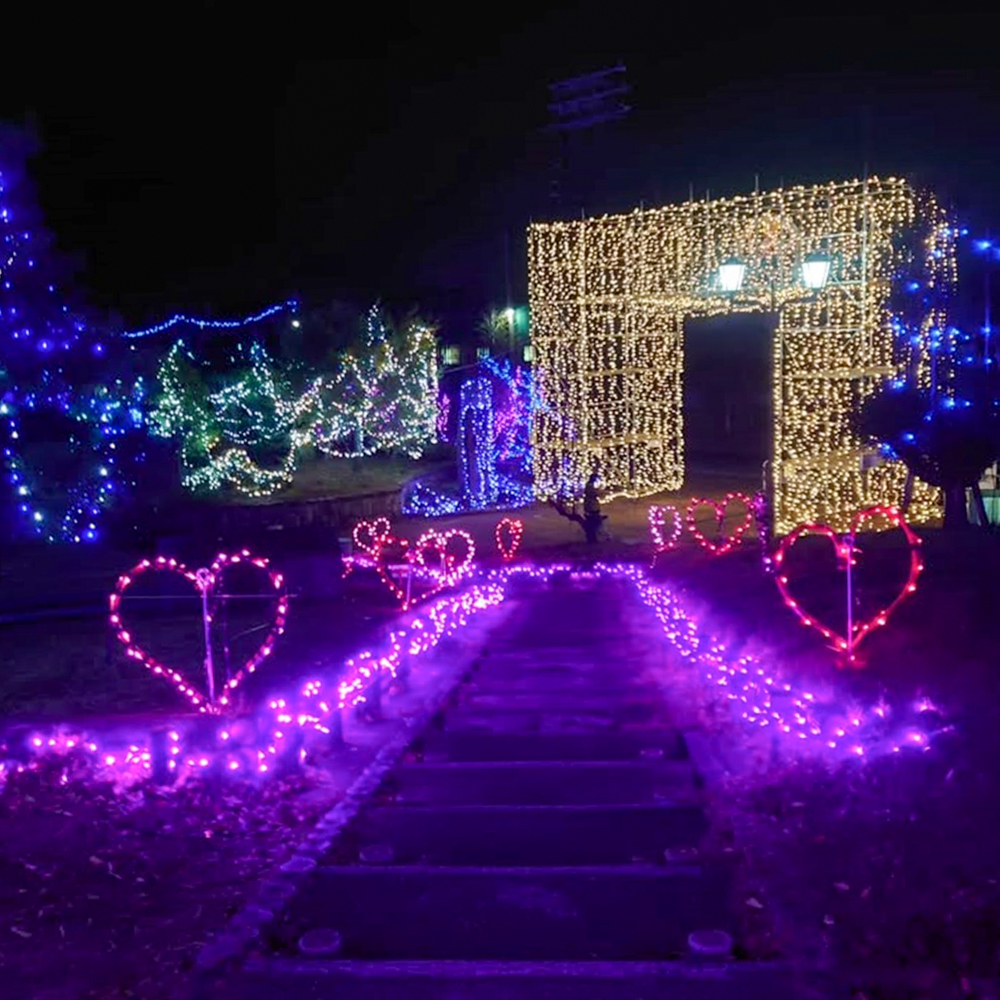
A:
[(508, 534), (722, 543), (818, 720), (657, 516), (101, 418), (180, 319), (385, 395), (216, 431), (202, 582), (845, 549), (609, 297)]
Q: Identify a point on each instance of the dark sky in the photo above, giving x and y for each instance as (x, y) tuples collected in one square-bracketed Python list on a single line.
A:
[(198, 156)]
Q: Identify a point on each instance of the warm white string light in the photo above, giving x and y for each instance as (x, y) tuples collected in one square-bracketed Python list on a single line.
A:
[(610, 295)]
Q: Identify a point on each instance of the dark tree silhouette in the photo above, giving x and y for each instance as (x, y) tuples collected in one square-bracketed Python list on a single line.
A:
[(591, 519), (947, 440)]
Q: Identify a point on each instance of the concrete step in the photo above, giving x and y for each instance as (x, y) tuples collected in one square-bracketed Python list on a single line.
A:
[(566, 914), (627, 703), (558, 718), (528, 682), (295, 979), (557, 783), (530, 835), (607, 745)]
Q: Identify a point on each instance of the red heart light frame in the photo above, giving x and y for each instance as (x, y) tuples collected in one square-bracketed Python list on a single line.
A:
[(656, 515), (202, 580), (727, 542), (382, 569), (508, 534), (458, 565), (451, 565), (370, 536), (844, 553), (430, 541)]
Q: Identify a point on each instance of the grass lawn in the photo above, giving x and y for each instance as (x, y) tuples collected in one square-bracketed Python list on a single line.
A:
[(320, 477), (887, 871)]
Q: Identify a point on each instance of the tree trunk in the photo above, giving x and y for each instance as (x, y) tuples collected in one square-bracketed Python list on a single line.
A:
[(907, 492), (955, 517)]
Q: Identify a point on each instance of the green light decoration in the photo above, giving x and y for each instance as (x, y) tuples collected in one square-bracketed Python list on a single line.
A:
[(384, 395), (255, 408)]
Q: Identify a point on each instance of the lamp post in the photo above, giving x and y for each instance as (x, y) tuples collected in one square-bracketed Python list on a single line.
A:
[(509, 315)]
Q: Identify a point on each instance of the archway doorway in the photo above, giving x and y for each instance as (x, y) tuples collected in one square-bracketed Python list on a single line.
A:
[(728, 409), (611, 298)]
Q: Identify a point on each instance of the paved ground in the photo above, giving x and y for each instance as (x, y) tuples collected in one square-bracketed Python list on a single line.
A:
[(539, 841)]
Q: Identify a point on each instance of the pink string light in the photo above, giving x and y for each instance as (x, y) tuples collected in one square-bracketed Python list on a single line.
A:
[(722, 543), (845, 550), (507, 535), (201, 582), (657, 516), (800, 717)]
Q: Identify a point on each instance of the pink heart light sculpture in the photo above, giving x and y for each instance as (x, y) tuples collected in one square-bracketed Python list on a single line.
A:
[(723, 543), (508, 534), (844, 550), (657, 516), (370, 536), (203, 581), (450, 566), (388, 542)]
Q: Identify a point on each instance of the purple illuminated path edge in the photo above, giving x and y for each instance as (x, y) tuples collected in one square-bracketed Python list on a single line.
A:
[(793, 722)]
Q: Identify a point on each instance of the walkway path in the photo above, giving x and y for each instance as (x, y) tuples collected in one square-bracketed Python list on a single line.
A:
[(540, 842)]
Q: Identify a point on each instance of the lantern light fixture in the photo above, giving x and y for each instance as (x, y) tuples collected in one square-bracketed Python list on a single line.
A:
[(816, 271), (731, 275)]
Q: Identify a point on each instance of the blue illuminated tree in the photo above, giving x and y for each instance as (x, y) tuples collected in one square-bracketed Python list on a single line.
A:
[(38, 329), (58, 402), (946, 438)]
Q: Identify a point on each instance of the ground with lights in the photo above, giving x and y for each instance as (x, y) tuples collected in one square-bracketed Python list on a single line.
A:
[(207, 703), (823, 748)]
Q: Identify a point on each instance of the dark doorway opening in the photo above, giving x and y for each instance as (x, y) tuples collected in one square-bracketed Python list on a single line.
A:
[(727, 392)]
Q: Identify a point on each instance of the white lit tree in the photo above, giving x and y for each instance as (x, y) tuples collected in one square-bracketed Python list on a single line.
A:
[(383, 398)]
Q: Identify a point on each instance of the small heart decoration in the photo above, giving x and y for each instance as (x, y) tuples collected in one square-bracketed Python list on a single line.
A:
[(508, 534), (370, 536), (429, 553), (391, 548), (658, 516), (437, 553), (722, 543), (844, 549), (204, 581), (460, 551)]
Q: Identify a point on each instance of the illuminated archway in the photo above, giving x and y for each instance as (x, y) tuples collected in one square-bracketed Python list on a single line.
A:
[(609, 297)]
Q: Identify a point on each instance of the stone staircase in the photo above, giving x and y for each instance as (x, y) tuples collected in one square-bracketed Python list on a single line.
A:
[(540, 841)]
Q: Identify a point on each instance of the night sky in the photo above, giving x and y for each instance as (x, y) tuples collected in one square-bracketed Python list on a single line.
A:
[(207, 159)]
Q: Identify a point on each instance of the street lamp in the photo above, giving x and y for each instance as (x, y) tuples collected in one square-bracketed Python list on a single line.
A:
[(815, 270), (731, 275), (508, 315)]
